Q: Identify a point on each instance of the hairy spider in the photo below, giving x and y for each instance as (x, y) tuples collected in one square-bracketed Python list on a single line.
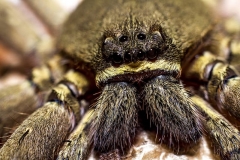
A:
[(160, 66)]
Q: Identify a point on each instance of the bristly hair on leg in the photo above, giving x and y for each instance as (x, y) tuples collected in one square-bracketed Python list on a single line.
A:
[(116, 118), (170, 109)]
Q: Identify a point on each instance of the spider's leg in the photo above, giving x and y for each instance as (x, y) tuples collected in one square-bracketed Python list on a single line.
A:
[(22, 99), (170, 109), (16, 102), (222, 80), (116, 118), (41, 134), (225, 137), (77, 145)]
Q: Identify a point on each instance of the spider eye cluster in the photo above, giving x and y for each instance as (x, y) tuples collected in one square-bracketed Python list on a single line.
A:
[(133, 56), (126, 49)]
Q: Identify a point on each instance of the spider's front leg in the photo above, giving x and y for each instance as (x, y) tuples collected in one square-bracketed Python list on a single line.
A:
[(41, 134)]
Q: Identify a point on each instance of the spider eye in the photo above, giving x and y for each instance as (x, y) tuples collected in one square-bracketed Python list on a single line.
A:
[(127, 57), (116, 59), (123, 38), (141, 55), (153, 53), (141, 36)]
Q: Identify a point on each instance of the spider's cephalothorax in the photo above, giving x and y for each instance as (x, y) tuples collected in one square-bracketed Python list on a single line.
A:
[(140, 53)]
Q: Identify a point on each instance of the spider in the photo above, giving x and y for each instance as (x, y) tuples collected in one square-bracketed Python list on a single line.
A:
[(156, 66)]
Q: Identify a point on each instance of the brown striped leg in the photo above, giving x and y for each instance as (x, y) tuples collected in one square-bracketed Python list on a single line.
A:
[(224, 136), (41, 134)]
